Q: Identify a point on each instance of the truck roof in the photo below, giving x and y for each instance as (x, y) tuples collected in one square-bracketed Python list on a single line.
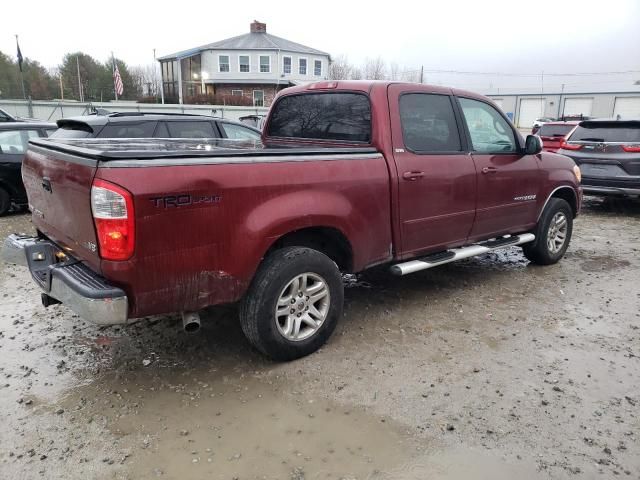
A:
[(368, 85)]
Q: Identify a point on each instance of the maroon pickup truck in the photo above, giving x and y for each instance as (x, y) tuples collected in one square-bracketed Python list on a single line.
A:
[(348, 175)]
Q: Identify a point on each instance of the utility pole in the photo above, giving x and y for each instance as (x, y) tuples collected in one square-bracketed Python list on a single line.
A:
[(79, 80), (155, 75), (422, 74), (61, 89)]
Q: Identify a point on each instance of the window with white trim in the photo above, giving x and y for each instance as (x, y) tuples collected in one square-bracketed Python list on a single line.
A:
[(236, 93), (302, 66), (317, 68), (286, 65), (243, 61), (258, 98), (223, 63), (265, 63)]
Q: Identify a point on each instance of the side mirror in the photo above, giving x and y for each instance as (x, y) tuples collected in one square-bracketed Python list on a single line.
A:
[(533, 145)]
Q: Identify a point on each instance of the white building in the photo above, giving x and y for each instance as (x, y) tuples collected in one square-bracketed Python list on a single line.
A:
[(254, 66)]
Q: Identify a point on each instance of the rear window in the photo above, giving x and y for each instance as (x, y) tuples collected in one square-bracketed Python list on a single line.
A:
[(191, 130), (607, 132), (555, 130), (124, 130), (70, 133), (322, 116)]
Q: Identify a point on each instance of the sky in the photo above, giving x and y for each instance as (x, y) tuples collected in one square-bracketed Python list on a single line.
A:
[(506, 45)]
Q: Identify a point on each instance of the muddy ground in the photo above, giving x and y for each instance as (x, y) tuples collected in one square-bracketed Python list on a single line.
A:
[(486, 369)]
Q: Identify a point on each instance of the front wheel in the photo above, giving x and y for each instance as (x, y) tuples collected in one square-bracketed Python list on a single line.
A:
[(293, 304), (553, 233)]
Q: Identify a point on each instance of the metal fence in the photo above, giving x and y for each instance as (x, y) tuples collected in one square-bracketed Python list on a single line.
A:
[(54, 110)]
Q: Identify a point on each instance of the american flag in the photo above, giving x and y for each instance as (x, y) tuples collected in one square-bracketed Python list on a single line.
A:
[(117, 81)]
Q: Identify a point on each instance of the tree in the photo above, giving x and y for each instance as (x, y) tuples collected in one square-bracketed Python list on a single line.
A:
[(9, 86), (340, 68), (93, 77), (39, 84), (375, 69)]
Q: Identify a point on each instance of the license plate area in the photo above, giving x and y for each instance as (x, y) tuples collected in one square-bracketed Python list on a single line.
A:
[(601, 170), (42, 259)]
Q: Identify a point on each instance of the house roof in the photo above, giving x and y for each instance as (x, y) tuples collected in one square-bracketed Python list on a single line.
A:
[(249, 41)]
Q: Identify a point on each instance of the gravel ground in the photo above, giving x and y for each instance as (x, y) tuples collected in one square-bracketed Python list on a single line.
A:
[(488, 368)]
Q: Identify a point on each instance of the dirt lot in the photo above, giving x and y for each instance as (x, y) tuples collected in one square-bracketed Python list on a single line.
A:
[(490, 368)]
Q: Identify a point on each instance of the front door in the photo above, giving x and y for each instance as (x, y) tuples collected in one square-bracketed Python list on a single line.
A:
[(508, 180), (436, 176)]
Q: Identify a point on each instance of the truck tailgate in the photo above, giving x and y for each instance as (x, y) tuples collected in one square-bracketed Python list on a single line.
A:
[(58, 186)]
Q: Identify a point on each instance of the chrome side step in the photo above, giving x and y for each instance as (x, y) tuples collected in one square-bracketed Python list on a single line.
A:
[(460, 253)]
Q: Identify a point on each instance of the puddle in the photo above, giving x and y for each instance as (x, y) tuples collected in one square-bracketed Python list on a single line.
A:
[(238, 428), (603, 264)]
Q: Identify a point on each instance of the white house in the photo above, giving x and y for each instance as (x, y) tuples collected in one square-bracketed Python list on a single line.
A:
[(254, 65)]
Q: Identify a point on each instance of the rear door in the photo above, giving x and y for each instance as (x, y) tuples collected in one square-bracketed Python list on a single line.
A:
[(508, 180), (436, 176)]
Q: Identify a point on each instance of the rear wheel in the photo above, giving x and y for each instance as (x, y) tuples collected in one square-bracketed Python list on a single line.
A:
[(5, 201), (293, 304), (553, 233)]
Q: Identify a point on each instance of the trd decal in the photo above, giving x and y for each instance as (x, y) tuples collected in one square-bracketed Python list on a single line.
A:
[(172, 201)]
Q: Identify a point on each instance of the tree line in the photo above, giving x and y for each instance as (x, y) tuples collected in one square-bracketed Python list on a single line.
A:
[(372, 69), (61, 82)]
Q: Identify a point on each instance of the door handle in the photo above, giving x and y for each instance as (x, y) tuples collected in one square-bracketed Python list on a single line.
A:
[(489, 170), (412, 176)]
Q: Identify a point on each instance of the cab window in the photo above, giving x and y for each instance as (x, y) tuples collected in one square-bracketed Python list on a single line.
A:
[(489, 131)]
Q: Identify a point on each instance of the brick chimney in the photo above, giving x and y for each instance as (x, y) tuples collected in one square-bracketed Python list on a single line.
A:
[(257, 27)]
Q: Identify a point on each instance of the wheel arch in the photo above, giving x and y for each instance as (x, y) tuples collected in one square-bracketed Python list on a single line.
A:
[(326, 239), (565, 192)]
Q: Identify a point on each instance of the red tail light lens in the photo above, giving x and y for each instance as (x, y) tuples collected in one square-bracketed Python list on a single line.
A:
[(569, 146), (112, 208), (631, 148)]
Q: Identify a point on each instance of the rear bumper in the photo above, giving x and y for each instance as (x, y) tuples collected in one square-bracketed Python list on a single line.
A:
[(611, 186), (70, 282)]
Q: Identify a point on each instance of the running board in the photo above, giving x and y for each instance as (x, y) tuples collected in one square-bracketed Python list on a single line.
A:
[(460, 253)]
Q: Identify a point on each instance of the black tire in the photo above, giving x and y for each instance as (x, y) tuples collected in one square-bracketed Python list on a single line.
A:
[(5, 202), (540, 252), (258, 308)]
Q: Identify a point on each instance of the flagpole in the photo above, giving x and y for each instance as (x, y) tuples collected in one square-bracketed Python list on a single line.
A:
[(24, 93), (113, 72)]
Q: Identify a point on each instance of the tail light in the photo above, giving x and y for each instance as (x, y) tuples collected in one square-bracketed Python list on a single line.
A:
[(112, 208), (631, 148), (569, 146)]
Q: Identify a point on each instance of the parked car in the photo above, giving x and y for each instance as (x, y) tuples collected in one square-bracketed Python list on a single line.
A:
[(538, 122), (153, 125), (608, 154), (14, 138), (553, 133), (350, 175), (256, 121), (6, 117)]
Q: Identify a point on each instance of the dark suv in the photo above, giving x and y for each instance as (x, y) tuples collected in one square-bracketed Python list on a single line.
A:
[(153, 125), (608, 154)]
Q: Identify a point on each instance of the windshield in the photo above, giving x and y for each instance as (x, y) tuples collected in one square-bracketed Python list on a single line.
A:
[(607, 132)]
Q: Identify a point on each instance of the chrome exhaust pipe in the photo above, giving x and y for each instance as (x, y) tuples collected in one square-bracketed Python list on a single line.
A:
[(190, 322)]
